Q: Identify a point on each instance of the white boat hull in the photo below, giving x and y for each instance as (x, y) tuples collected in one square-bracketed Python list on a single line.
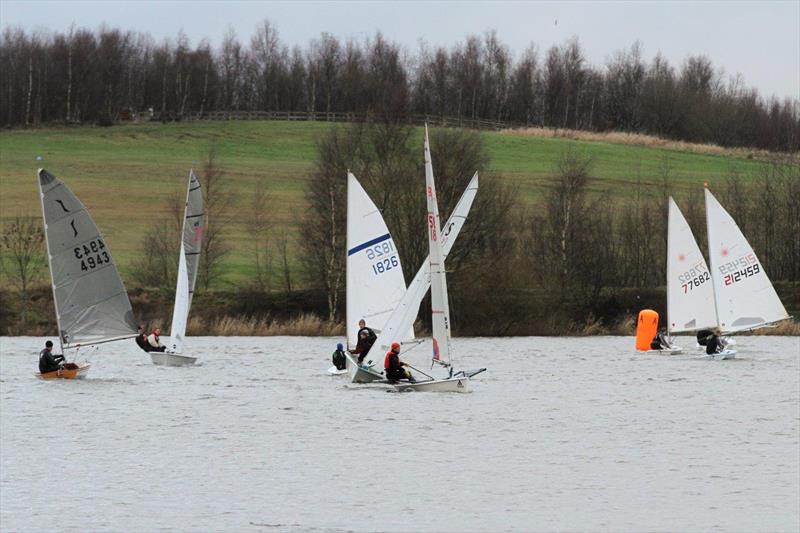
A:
[(460, 384), (721, 356), (359, 374), (171, 359), (675, 350), (333, 371)]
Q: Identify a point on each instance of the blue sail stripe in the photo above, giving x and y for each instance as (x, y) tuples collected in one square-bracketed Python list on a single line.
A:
[(367, 244)]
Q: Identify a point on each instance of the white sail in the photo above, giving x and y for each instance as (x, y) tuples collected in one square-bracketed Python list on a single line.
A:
[(690, 290), (180, 312), (440, 307), (745, 297), (91, 303), (408, 308), (191, 243), (375, 282)]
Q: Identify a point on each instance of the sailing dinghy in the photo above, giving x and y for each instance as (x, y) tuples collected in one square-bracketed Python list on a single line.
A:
[(402, 316), (743, 294), (188, 261), (91, 303), (440, 307)]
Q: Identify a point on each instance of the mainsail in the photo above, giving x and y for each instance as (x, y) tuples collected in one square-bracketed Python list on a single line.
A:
[(91, 303), (191, 243), (690, 290), (440, 307), (375, 282), (745, 297), (406, 312)]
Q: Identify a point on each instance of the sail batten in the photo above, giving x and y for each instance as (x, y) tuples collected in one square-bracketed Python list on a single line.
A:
[(92, 306)]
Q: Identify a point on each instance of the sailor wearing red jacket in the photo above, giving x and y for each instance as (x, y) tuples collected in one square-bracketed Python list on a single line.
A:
[(394, 366)]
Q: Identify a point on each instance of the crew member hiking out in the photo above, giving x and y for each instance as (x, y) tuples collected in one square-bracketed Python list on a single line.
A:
[(141, 339), (338, 357), (703, 335), (48, 362), (154, 342), (715, 343), (394, 366)]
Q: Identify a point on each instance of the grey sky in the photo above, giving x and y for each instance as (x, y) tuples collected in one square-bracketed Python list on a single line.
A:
[(760, 40)]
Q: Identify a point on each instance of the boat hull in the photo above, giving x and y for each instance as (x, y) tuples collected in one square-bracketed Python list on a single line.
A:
[(171, 359), (69, 371), (721, 356), (675, 350), (359, 374), (333, 371), (460, 384)]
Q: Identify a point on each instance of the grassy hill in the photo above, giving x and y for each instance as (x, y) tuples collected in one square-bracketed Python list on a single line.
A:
[(125, 174)]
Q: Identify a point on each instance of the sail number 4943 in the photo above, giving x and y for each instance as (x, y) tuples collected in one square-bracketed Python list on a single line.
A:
[(91, 254)]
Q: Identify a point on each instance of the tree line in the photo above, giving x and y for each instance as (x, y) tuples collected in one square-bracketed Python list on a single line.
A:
[(107, 75)]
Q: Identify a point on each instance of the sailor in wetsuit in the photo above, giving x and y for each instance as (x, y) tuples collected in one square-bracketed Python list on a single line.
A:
[(49, 362), (660, 342), (394, 366), (141, 339), (715, 343), (338, 357)]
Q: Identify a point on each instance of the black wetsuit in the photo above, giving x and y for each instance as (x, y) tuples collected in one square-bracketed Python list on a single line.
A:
[(714, 345), (659, 342), (339, 360), (364, 344), (394, 370), (703, 335), (49, 362), (141, 341)]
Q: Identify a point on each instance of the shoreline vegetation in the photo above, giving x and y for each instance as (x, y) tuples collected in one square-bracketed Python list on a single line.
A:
[(216, 317)]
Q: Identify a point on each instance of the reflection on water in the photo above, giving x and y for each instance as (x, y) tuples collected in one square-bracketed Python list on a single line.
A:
[(559, 433)]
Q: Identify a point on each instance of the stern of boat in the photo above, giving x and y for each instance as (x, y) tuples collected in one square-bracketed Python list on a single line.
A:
[(171, 359)]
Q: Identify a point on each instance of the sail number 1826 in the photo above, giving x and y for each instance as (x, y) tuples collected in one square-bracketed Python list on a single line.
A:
[(384, 256)]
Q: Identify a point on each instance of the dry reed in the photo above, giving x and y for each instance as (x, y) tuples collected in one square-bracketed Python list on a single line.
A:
[(306, 325), (787, 328), (638, 139)]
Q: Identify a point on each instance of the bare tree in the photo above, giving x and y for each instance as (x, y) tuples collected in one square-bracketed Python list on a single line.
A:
[(23, 252), (218, 201)]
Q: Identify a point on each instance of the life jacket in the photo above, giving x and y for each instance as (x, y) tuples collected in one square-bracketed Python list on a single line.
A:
[(387, 361)]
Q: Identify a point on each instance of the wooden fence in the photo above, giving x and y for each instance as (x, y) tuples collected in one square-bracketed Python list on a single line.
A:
[(305, 116)]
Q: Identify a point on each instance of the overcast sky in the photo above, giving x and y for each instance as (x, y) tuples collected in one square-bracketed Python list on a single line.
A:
[(760, 40)]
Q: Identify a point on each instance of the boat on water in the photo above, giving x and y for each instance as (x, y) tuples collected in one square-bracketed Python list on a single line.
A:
[(440, 307), (402, 316), (91, 303), (188, 262), (734, 295)]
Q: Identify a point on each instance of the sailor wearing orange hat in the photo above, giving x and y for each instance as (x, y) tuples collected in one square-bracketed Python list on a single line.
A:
[(394, 366)]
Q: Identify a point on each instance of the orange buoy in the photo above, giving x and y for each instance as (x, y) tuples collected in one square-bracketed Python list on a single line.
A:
[(646, 329)]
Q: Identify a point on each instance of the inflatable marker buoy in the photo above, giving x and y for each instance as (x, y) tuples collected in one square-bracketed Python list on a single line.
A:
[(646, 329)]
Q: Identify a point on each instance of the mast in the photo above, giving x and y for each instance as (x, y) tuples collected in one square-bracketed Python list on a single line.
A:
[(669, 266), (710, 254), (439, 303), (49, 259)]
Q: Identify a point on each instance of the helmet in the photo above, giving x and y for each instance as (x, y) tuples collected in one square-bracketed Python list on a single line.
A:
[(395, 346), (339, 346)]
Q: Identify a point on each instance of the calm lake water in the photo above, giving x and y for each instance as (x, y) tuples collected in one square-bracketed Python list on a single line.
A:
[(559, 433)]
